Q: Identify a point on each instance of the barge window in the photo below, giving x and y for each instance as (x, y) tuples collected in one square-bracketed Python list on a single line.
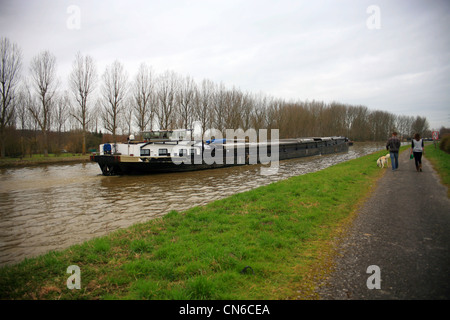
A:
[(163, 152), (182, 152), (145, 152)]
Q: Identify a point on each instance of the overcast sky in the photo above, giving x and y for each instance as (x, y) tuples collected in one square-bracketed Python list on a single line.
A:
[(387, 55)]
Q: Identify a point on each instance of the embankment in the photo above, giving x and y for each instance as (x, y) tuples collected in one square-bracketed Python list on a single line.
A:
[(41, 160), (273, 242)]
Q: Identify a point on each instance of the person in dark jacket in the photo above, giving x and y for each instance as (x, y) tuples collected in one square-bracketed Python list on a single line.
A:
[(393, 145)]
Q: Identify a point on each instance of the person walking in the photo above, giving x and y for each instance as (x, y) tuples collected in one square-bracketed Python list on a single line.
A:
[(418, 149), (393, 145)]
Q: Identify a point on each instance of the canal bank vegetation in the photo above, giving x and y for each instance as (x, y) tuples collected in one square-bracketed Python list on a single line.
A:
[(440, 160), (273, 242), (111, 102), (40, 159)]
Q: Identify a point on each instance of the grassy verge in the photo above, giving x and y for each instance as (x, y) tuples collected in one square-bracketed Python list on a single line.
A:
[(441, 162), (273, 242), (38, 159)]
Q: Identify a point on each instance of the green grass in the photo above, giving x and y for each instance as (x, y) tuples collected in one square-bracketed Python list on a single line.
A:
[(441, 162), (283, 233)]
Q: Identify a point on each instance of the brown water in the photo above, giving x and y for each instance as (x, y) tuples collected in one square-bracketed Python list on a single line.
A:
[(52, 207)]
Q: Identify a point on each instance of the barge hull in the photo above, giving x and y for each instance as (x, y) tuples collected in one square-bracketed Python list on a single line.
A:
[(126, 165)]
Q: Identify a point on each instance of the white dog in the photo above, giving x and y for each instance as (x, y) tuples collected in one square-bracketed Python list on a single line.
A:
[(383, 161)]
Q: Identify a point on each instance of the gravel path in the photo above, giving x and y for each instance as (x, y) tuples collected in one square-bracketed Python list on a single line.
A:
[(404, 229)]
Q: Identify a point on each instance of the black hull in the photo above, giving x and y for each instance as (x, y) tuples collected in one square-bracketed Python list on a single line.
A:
[(114, 165)]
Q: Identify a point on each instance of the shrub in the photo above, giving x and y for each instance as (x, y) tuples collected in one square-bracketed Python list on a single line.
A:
[(444, 145)]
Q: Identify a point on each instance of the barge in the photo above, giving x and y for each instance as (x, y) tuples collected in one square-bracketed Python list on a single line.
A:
[(165, 151)]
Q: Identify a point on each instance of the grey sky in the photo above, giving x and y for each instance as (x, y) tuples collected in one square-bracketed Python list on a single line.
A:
[(299, 50)]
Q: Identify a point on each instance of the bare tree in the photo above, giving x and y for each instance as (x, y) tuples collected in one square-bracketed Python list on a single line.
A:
[(114, 92), (381, 124), (61, 114), (204, 104), (22, 112), (271, 113), (350, 116), (95, 116), (44, 81), (185, 99), (219, 108), (126, 121), (82, 83), (247, 106), (259, 112), (23, 115), (234, 111), (167, 87), (10, 66), (420, 126), (403, 125), (359, 127), (144, 98)]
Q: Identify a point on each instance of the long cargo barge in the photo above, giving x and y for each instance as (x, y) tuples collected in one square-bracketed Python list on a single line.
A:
[(172, 151)]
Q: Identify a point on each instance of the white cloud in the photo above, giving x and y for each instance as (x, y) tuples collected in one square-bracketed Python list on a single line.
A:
[(291, 49)]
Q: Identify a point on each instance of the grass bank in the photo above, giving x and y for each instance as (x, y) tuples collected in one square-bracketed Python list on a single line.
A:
[(39, 159), (273, 242), (441, 162)]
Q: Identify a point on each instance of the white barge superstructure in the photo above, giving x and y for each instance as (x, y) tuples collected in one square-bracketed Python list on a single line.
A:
[(174, 150)]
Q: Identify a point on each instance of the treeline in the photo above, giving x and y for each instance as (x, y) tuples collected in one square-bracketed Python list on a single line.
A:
[(39, 115), (25, 143)]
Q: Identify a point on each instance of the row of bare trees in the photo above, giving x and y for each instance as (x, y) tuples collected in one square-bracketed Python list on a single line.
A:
[(121, 106)]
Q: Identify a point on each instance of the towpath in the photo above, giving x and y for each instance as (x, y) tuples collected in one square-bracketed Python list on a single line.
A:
[(404, 230)]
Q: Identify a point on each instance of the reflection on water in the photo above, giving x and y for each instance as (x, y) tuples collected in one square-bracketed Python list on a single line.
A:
[(52, 207)]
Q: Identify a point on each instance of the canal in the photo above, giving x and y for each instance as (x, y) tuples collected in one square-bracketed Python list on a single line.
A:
[(51, 207)]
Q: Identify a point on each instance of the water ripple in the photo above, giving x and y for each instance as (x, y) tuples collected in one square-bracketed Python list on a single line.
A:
[(52, 207)]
